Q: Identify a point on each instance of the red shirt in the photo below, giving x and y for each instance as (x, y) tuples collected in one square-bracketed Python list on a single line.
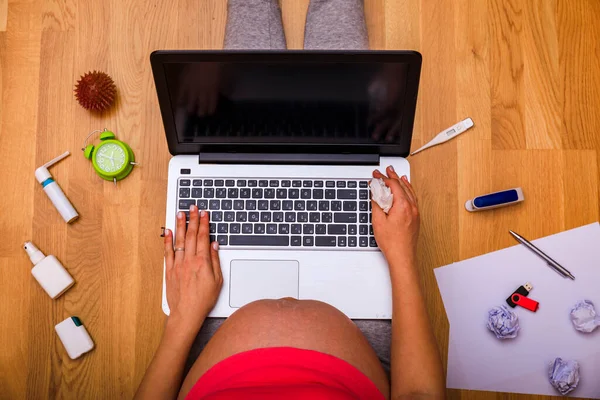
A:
[(283, 373)]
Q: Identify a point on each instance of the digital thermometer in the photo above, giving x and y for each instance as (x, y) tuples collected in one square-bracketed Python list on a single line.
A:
[(447, 134)]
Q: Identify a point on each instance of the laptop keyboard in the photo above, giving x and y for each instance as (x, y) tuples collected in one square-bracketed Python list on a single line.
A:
[(296, 213)]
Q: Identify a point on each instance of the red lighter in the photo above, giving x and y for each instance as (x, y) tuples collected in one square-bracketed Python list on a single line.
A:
[(525, 302)]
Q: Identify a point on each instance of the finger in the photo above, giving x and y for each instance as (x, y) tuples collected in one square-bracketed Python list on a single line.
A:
[(192, 232), (216, 262), (169, 253), (378, 175), (203, 237), (409, 193), (392, 172), (180, 236), (393, 184)]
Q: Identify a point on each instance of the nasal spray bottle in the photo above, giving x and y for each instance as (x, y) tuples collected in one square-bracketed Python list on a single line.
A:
[(48, 271), (54, 192)]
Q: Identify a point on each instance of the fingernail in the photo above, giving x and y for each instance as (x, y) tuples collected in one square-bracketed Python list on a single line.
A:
[(203, 213), (193, 207), (180, 215), (391, 168), (404, 177), (215, 245)]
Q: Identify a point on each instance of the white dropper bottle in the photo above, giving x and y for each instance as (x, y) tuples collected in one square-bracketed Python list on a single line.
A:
[(54, 192), (48, 271)]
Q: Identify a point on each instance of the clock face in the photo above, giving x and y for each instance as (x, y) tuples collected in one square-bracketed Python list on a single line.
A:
[(110, 158)]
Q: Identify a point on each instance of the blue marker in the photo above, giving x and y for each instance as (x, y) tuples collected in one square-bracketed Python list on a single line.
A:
[(495, 200)]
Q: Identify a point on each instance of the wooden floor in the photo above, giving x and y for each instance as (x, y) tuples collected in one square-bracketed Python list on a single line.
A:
[(526, 71)]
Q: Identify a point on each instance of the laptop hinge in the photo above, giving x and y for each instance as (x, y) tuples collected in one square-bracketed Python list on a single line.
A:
[(289, 158)]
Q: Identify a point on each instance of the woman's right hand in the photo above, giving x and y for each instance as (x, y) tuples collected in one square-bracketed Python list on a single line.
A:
[(397, 232)]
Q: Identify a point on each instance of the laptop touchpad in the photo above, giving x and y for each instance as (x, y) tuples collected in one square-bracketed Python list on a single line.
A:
[(252, 280)]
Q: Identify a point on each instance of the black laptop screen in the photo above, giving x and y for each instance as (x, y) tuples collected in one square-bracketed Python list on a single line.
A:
[(289, 102)]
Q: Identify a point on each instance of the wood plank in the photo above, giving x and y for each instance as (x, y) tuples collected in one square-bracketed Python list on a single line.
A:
[(59, 15), (3, 15)]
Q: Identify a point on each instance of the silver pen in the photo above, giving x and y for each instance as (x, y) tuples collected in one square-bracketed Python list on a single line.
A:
[(553, 264)]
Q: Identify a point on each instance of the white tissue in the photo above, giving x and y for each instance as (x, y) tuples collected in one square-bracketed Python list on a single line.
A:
[(584, 317), (381, 194)]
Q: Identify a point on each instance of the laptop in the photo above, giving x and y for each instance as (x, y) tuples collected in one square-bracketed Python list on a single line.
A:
[(279, 148)]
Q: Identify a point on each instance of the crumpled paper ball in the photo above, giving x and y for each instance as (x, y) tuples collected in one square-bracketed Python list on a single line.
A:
[(503, 322), (564, 375), (381, 194), (584, 317)]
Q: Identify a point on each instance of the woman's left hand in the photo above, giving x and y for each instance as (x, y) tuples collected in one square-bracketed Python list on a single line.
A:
[(193, 272)]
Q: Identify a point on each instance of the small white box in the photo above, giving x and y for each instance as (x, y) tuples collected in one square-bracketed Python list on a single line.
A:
[(74, 337)]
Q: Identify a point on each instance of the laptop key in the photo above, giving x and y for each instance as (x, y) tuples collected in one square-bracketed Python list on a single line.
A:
[(229, 183), (269, 193), (214, 204), (371, 230), (336, 206), (308, 229), (263, 183), (226, 204), (363, 242), (346, 194), (341, 184), (263, 240), (296, 240), (263, 204), (245, 193), (184, 182), (286, 183), (321, 229), (299, 205), (326, 217), (202, 204), (265, 216), (275, 205), (281, 193), (184, 193), (363, 218), (349, 218), (314, 217), (302, 217), (252, 183), (349, 206), (208, 182), (253, 216), (250, 205), (216, 216), (297, 183), (196, 193), (293, 193), (311, 205), (238, 204), (219, 182), (196, 182), (352, 241), (372, 242), (307, 184), (336, 229), (259, 228), (308, 241), (305, 194), (271, 229), (363, 206), (341, 241), (284, 229), (233, 193), (325, 241), (290, 217), (209, 193), (273, 183), (222, 228), (235, 228), (185, 204), (212, 238), (296, 229), (351, 184), (246, 228), (287, 205), (318, 183), (363, 230), (363, 184), (317, 194), (241, 216), (257, 193), (212, 227), (323, 205), (222, 239), (352, 229), (240, 183), (229, 216), (330, 193), (277, 217), (330, 184), (364, 194)]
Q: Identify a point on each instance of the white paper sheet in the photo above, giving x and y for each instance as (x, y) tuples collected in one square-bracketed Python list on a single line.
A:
[(479, 361)]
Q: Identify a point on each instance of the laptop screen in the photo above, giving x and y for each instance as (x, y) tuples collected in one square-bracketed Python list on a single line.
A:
[(269, 101)]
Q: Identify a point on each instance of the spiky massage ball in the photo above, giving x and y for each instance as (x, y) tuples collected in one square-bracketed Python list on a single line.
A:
[(95, 91)]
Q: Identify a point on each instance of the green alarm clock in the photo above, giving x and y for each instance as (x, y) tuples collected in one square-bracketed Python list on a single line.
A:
[(112, 159)]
